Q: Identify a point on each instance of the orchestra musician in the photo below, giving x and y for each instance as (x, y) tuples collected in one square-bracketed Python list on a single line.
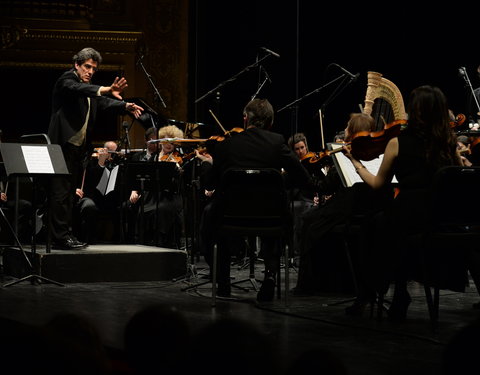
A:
[(255, 147), (75, 102), (463, 147), (8, 201), (317, 223), (427, 144), (162, 205), (150, 153), (95, 196), (303, 199)]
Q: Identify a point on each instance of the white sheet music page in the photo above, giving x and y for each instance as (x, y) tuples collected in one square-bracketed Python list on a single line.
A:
[(112, 180), (37, 159), (108, 180), (348, 170)]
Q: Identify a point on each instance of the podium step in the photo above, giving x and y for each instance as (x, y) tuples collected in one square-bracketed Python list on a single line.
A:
[(99, 263)]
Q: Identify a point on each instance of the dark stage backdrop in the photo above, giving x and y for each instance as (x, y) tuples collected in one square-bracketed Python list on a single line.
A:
[(410, 47)]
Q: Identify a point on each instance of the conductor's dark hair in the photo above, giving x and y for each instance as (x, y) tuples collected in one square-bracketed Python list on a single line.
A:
[(85, 54)]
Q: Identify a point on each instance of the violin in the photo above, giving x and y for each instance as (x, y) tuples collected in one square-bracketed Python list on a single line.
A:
[(370, 145), (458, 121), (174, 157), (316, 157)]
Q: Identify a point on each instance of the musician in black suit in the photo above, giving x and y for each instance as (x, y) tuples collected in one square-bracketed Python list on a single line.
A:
[(99, 194), (75, 103), (150, 153), (256, 147)]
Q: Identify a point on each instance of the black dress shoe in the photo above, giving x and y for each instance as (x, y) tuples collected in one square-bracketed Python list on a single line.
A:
[(267, 290), (224, 290), (399, 307), (68, 243), (358, 307), (361, 302)]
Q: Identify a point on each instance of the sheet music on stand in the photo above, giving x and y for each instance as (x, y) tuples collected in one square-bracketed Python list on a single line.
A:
[(108, 180), (34, 161), (346, 170)]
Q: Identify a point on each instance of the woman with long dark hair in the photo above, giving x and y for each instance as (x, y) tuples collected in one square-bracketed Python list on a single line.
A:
[(426, 145)]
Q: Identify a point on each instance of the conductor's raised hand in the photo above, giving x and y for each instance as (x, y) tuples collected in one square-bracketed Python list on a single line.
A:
[(134, 109), (118, 85)]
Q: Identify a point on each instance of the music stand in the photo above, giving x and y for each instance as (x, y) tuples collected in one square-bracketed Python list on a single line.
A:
[(34, 161), (152, 177)]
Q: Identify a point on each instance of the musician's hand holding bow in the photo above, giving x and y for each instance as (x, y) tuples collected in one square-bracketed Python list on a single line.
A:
[(204, 157), (134, 197), (103, 156), (79, 193)]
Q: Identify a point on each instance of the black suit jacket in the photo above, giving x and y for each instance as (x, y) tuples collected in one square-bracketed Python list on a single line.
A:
[(70, 106), (256, 148)]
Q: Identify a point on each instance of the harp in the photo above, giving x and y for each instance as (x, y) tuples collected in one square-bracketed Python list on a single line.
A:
[(383, 101)]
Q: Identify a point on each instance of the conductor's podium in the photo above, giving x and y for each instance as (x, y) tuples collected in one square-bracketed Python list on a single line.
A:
[(99, 263)]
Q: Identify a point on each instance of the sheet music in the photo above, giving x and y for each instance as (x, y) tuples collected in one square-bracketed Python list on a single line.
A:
[(348, 170), (37, 159), (108, 180)]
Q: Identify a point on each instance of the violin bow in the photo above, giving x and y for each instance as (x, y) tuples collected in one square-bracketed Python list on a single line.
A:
[(218, 122), (321, 128)]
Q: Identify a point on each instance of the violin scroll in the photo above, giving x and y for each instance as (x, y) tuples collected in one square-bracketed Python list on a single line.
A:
[(458, 121)]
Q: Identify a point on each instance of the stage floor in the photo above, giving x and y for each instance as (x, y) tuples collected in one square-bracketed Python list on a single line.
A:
[(364, 344)]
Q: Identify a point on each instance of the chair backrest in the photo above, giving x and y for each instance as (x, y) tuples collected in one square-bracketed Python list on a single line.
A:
[(454, 201), (255, 200)]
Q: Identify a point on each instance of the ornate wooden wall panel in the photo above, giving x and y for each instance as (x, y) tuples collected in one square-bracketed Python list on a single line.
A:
[(38, 41)]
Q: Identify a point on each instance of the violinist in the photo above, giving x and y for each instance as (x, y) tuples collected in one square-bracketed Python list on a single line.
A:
[(162, 206), (413, 157), (168, 150), (256, 147), (150, 153), (98, 193), (317, 223), (463, 147), (303, 199)]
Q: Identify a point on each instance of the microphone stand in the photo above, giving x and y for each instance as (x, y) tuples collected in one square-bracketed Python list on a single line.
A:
[(464, 74), (311, 93), (231, 79), (338, 90), (123, 205), (149, 77), (267, 78)]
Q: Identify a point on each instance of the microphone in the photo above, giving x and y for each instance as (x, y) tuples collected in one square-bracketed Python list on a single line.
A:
[(125, 125), (352, 76), (462, 71), (270, 52), (266, 74), (139, 60)]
